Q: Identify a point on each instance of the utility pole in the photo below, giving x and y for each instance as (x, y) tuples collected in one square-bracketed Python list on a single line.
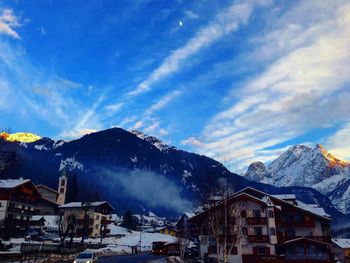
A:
[(141, 228)]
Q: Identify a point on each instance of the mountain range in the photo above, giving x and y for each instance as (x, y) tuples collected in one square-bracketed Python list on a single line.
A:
[(302, 165), (134, 171)]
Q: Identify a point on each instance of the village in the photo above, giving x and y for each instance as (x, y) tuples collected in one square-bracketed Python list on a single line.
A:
[(37, 225)]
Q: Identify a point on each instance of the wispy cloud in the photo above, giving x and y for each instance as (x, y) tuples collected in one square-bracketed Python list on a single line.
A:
[(224, 23), (339, 143), (114, 108), (163, 101), (302, 87), (8, 23)]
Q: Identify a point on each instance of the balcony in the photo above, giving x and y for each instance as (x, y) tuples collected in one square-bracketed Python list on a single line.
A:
[(21, 211), (81, 221), (256, 220), (282, 239), (258, 239), (105, 221)]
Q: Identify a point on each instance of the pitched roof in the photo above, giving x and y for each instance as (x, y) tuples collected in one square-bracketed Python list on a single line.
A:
[(12, 183), (46, 187), (310, 208), (342, 242), (82, 204)]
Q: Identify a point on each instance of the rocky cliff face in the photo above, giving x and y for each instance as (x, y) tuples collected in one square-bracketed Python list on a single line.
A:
[(303, 165)]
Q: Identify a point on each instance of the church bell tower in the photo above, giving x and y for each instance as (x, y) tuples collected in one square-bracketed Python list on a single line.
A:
[(62, 188)]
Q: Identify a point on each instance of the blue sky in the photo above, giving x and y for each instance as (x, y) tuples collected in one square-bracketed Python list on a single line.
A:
[(237, 80)]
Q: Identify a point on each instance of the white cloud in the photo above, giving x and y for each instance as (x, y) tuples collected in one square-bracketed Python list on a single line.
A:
[(303, 87), (224, 23), (190, 14), (339, 143), (8, 23), (137, 125), (163, 101), (113, 108)]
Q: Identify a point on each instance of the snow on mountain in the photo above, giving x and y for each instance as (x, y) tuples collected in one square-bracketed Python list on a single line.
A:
[(153, 140), (303, 165)]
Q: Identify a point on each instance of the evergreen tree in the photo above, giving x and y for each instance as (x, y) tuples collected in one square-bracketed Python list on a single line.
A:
[(73, 191), (128, 221)]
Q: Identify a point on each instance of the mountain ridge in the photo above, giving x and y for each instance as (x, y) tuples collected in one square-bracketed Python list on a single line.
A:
[(131, 172), (302, 165)]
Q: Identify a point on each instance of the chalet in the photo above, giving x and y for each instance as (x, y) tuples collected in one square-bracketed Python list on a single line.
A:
[(185, 228), (91, 218), (19, 201), (253, 226), (341, 249)]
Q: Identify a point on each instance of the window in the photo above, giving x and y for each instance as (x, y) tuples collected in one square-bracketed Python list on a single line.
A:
[(261, 250), (272, 231), (290, 232), (0, 204), (96, 226), (271, 214), (243, 214), (257, 213), (258, 231), (62, 190), (63, 182), (298, 217), (244, 231), (97, 217)]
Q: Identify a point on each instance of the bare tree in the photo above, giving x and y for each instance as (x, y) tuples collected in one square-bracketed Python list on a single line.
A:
[(66, 227), (87, 209)]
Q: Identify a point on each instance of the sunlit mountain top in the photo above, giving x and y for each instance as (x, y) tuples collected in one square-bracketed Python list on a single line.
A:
[(333, 161), (20, 137)]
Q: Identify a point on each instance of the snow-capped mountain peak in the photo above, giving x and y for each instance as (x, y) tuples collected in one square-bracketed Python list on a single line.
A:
[(302, 165), (152, 140)]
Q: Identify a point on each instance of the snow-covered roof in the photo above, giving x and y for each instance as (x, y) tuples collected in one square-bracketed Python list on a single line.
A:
[(80, 204), (313, 208), (342, 242), (12, 183), (189, 214), (285, 196)]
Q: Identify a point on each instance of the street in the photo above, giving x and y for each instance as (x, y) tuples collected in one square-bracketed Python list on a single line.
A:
[(136, 258)]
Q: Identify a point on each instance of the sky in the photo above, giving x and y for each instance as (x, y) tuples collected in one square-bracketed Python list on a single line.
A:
[(240, 81)]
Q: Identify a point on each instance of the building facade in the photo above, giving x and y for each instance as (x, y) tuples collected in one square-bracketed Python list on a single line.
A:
[(19, 201), (91, 218), (341, 249), (252, 226)]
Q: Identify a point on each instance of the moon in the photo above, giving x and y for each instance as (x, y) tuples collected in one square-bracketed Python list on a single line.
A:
[(181, 23)]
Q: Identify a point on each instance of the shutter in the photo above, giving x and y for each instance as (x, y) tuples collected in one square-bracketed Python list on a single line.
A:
[(267, 251)]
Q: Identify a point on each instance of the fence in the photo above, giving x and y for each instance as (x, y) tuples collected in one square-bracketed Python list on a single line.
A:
[(35, 248)]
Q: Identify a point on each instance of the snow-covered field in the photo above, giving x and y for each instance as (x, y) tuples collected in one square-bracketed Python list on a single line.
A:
[(115, 245), (132, 238)]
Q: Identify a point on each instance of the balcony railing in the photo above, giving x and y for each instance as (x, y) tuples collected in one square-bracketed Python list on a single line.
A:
[(81, 221), (17, 210), (256, 220), (258, 239), (105, 221), (282, 239)]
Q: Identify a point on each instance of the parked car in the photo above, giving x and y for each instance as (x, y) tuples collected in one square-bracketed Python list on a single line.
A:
[(86, 257)]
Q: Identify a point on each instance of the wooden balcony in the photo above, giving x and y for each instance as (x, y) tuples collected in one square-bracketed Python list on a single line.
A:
[(81, 221), (282, 239), (258, 239), (105, 221), (262, 259), (256, 220)]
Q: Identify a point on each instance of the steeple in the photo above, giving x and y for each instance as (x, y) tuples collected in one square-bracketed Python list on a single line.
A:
[(62, 187)]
